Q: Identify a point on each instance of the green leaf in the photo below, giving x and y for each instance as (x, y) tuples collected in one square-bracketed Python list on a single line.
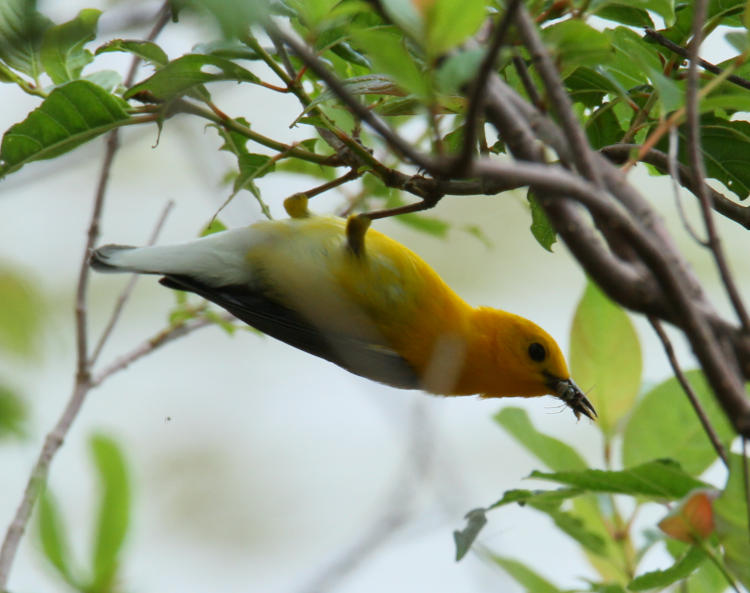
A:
[(458, 69), (12, 413), (724, 147), (554, 453), (720, 9), (72, 114), (540, 499), (232, 49), (62, 52), (577, 44), (588, 86), (731, 516), (252, 166), (731, 102), (405, 15), (464, 538), (548, 502), (369, 84), (574, 527), (707, 579), (525, 576), (664, 8), (626, 15), (187, 72), (664, 424), (681, 569), (235, 18), (215, 226), (541, 228), (22, 315), (55, 545), (109, 80), (662, 478), (146, 50), (389, 56), (642, 61), (346, 52), (449, 22), (21, 32), (114, 510), (738, 40), (605, 356), (603, 128)]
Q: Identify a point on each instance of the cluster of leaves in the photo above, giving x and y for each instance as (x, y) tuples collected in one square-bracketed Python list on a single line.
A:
[(110, 529), (664, 451), (406, 60)]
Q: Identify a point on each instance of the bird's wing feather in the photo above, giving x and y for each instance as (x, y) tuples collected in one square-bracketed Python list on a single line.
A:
[(253, 306)]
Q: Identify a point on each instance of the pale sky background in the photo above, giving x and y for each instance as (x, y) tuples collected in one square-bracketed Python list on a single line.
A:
[(255, 466)]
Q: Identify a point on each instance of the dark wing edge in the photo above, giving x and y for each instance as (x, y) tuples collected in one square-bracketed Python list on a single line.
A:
[(254, 307)]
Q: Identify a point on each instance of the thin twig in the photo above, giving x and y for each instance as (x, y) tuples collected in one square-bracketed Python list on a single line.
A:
[(619, 153), (165, 336), (82, 383), (232, 125), (675, 177), (284, 56), (396, 142), (128, 290), (559, 98), (408, 209), (345, 178), (528, 83), (689, 391), (680, 51), (477, 90), (695, 160)]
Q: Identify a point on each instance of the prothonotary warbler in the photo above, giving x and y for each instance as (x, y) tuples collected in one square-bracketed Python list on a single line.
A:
[(361, 300)]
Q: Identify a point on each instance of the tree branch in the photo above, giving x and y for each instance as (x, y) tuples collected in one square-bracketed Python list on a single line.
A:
[(396, 142), (169, 334), (82, 383), (127, 291), (559, 99), (475, 109), (695, 159), (680, 51), (689, 391), (619, 153)]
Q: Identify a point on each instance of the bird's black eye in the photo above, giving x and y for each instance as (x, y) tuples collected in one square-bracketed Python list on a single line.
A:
[(537, 352)]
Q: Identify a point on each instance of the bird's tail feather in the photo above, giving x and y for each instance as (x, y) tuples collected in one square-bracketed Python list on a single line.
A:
[(142, 260)]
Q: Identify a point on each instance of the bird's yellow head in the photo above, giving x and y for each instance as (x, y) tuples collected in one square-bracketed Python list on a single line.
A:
[(528, 362)]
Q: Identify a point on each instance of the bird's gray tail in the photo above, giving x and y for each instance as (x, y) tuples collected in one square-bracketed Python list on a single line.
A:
[(107, 258)]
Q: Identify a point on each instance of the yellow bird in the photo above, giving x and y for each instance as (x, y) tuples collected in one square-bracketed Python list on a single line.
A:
[(363, 301)]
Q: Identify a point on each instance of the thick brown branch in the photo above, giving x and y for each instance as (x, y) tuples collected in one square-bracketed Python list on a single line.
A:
[(684, 309)]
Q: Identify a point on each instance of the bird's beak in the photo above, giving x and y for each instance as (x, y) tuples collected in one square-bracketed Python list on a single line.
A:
[(573, 397)]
